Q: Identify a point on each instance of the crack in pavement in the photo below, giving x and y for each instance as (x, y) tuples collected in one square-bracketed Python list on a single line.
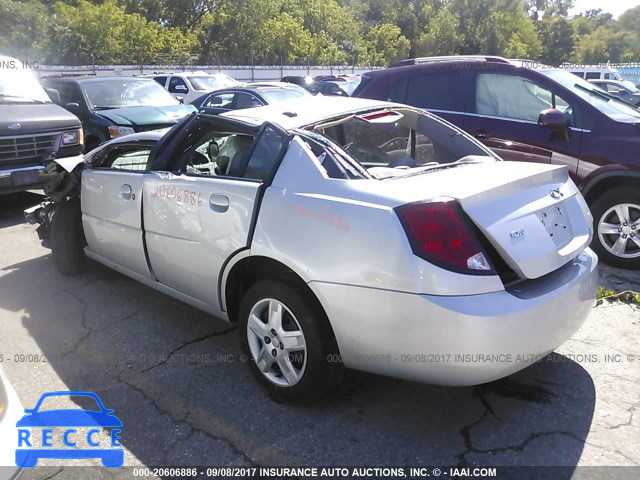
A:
[(631, 411), (630, 459), (190, 342), (85, 325), (529, 393), (234, 448), (51, 476)]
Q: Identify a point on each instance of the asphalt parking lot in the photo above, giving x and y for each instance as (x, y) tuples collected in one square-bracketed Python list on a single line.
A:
[(175, 378)]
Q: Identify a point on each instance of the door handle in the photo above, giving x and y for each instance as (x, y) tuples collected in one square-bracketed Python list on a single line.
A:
[(126, 192), (480, 134), (218, 203)]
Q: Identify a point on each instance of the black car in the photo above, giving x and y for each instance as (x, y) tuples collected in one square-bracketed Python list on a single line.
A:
[(327, 88), (227, 99), (623, 90), (33, 130), (110, 107)]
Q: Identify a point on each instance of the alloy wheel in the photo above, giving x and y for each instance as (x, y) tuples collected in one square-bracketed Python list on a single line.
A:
[(619, 230), (276, 342)]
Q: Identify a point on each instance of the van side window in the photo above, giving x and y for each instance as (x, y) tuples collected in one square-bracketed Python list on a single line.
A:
[(515, 97), (398, 91), (437, 90), (595, 75)]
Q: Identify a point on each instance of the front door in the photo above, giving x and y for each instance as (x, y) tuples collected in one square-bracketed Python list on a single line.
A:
[(112, 206), (508, 106)]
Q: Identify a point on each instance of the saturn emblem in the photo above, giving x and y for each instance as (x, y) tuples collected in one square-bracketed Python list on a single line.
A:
[(556, 193)]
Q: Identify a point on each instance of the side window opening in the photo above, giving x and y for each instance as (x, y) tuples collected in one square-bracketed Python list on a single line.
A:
[(132, 158), (398, 91), (161, 80), (221, 100), (212, 151), (436, 90), (266, 153), (515, 97)]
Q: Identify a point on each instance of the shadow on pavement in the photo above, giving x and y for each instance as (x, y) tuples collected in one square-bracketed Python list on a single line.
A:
[(12, 206), (176, 379)]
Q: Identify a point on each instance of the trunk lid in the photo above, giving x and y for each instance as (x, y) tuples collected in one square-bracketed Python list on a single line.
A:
[(532, 214)]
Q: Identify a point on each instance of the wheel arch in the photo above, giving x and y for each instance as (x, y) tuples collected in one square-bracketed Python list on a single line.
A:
[(245, 270), (607, 180)]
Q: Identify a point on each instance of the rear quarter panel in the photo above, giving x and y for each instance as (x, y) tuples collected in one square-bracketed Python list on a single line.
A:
[(339, 231)]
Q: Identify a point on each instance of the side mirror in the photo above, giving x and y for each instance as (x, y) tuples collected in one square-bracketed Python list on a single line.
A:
[(556, 121), (73, 107), (180, 99), (54, 95)]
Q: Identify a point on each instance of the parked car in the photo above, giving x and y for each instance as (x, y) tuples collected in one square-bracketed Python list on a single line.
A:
[(327, 88), (625, 91), (187, 86), (248, 97), (438, 248), (33, 130), (291, 86), (592, 72), (550, 108), (297, 80), (348, 86), (110, 107)]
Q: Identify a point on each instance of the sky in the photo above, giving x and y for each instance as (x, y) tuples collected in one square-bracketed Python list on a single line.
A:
[(616, 7)]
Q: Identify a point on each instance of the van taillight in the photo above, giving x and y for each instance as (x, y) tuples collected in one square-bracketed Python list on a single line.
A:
[(439, 232)]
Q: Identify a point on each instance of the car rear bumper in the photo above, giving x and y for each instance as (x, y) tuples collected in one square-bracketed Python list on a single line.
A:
[(463, 340)]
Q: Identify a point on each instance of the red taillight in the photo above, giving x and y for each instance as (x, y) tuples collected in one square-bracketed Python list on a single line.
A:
[(439, 233)]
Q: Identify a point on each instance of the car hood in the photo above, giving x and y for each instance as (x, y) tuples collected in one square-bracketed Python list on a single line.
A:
[(69, 418), (134, 116), (35, 118)]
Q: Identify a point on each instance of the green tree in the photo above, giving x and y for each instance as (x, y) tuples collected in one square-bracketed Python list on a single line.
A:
[(24, 26), (385, 44), (557, 37)]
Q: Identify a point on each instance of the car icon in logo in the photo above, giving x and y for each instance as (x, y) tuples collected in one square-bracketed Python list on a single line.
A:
[(67, 419)]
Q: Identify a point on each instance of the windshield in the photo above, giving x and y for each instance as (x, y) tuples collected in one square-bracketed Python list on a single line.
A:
[(124, 92), (402, 139), (212, 82), (21, 86), (348, 87), (615, 109), (281, 94)]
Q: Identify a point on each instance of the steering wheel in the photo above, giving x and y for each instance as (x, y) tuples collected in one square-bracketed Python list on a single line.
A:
[(364, 153)]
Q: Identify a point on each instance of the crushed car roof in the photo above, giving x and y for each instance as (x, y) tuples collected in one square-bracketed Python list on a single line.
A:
[(304, 111)]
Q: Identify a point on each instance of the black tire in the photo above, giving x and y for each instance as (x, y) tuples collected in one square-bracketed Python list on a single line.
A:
[(600, 206), (67, 238), (323, 369)]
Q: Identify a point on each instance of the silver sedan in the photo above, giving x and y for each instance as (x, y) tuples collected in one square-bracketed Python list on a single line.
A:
[(339, 233)]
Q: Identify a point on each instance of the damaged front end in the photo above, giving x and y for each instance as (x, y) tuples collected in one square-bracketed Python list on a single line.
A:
[(62, 179)]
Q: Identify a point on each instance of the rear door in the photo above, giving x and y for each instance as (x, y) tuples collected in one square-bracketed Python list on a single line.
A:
[(202, 210), (112, 205)]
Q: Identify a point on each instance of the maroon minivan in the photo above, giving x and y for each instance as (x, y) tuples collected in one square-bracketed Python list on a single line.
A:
[(496, 100)]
